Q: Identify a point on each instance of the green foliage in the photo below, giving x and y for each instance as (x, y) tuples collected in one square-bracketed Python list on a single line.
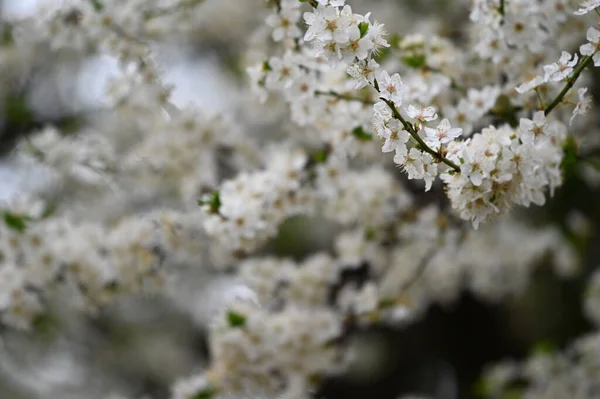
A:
[(213, 202), (361, 134), (320, 156), (364, 28), (15, 221), (415, 61), (98, 6), (206, 393), (236, 319)]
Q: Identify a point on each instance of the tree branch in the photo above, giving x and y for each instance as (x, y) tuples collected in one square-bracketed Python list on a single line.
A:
[(411, 130)]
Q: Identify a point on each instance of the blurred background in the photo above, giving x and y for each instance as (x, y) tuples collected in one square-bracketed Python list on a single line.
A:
[(140, 346)]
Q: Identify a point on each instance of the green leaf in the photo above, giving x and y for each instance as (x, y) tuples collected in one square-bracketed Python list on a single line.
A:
[(98, 6), (364, 28), (236, 319), (267, 66), (361, 134), (320, 156), (213, 202), (15, 222), (394, 40), (415, 61), (205, 394)]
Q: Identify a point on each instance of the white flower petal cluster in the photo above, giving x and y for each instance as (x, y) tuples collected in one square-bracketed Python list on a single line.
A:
[(343, 35), (559, 71), (306, 284), (571, 372), (91, 263), (593, 47), (501, 168), (255, 350), (253, 205), (417, 163), (334, 95), (370, 197), (587, 6), (472, 108), (584, 103), (285, 21)]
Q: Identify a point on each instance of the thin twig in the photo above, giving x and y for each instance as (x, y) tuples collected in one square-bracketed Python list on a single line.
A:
[(585, 61), (411, 130), (345, 97)]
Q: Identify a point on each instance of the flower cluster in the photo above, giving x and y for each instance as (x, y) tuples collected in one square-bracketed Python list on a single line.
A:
[(502, 167), (248, 210)]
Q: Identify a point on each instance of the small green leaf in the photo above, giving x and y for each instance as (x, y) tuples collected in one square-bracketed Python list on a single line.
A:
[(415, 61), (213, 201), (361, 134), (98, 6), (235, 319), (364, 28), (206, 393), (267, 66), (15, 222), (394, 40), (320, 156)]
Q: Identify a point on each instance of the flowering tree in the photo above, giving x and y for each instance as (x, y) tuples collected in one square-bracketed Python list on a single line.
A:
[(136, 193)]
